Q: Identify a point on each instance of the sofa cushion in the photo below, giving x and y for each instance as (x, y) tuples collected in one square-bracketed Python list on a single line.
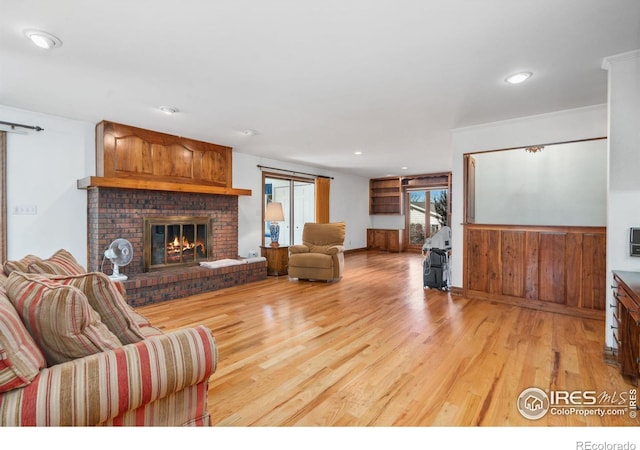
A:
[(20, 357), (60, 263), (59, 318), (105, 298), (21, 265)]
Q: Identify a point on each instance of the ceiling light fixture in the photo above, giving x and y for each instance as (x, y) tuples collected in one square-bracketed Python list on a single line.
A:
[(517, 78), (249, 132), (168, 109), (404, 168), (43, 39), (357, 153)]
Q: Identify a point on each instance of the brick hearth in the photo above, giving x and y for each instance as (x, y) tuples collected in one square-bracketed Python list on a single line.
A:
[(119, 213)]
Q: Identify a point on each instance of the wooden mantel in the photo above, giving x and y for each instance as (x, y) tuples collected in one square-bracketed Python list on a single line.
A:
[(132, 183), (134, 158)]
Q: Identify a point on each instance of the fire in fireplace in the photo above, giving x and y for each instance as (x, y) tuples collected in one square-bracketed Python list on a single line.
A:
[(171, 241)]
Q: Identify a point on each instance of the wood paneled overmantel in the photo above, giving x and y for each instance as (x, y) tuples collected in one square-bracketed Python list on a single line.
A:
[(134, 158)]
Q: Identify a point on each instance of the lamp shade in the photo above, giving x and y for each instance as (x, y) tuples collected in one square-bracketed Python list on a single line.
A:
[(274, 212)]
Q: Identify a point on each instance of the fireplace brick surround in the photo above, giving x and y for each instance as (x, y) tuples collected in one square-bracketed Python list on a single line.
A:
[(119, 213)]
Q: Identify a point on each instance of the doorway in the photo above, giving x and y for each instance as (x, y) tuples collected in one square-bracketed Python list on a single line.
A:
[(426, 212)]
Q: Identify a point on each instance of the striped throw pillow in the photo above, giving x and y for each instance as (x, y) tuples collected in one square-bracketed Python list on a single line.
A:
[(20, 357), (105, 298), (59, 318), (60, 263), (21, 265)]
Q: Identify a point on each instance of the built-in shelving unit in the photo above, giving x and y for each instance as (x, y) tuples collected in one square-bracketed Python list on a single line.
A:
[(385, 195)]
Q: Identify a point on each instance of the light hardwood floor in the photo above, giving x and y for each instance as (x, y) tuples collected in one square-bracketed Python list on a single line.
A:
[(376, 349)]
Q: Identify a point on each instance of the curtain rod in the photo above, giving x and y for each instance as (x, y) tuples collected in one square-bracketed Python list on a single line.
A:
[(294, 172), (14, 125)]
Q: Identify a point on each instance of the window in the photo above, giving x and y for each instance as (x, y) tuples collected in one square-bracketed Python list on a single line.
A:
[(297, 196)]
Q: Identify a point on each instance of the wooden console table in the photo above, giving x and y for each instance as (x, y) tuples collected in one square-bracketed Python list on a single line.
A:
[(626, 325), (277, 259)]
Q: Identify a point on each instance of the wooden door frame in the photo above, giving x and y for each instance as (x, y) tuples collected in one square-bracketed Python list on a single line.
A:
[(434, 181)]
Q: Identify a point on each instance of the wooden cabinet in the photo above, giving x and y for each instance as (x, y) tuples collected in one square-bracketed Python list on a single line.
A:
[(123, 151), (385, 196), (385, 240), (277, 259), (626, 327)]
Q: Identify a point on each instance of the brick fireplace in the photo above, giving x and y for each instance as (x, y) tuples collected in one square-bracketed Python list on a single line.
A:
[(120, 213), (143, 173)]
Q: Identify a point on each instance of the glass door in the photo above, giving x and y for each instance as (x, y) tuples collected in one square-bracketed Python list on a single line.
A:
[(426, 213), (304, 208), (298, 204)]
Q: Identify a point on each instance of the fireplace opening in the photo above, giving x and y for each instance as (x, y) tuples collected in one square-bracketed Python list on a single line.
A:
[(171, 241)]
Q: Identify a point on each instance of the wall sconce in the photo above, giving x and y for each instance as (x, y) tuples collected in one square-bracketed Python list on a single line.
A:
[(273, 215), (534, 149)]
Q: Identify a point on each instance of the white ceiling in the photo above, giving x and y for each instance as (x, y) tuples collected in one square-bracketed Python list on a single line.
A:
[(318, 80)]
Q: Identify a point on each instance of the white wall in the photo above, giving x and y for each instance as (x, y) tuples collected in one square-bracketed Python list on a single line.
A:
[(562, 126), (564, 184), (42, 170), (623, 210), (43, 167), (388, 221)]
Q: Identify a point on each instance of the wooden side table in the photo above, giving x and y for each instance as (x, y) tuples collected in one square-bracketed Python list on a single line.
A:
[(277, 259)]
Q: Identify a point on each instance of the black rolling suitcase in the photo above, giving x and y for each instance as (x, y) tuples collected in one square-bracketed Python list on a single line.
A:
[(434, 268)]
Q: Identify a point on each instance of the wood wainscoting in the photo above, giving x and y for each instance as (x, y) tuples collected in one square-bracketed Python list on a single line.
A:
[(551, 268)]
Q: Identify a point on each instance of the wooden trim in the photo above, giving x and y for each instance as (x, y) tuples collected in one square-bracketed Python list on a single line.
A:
[(422, 182), (469, 203), (134, 183), (355, 250), (545, 228), (535, 145), (457, 291)]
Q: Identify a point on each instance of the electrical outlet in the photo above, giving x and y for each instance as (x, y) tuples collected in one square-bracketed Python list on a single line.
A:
[(31, 210)]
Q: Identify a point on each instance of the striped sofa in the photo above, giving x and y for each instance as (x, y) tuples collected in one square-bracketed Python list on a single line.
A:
[(73, 353)]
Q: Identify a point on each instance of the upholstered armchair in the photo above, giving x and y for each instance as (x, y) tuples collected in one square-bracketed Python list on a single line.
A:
[(321, 255)]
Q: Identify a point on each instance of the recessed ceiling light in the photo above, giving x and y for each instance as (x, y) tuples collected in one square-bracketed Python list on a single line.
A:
[(518, 77), (404, 168), (43, 39), (249, 132), (168, 109), (357, 153)]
